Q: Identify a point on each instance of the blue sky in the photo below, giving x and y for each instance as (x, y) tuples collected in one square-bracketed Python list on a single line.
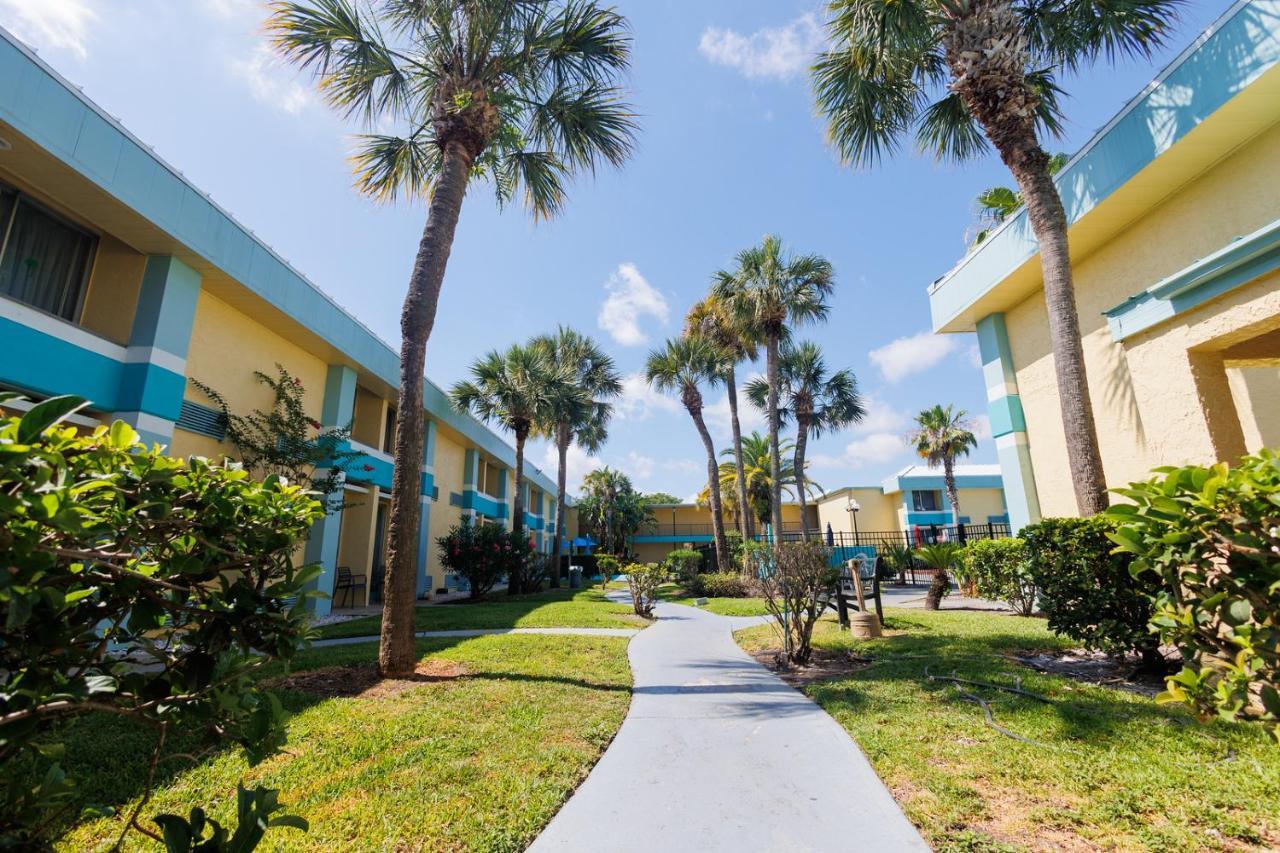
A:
[(730, 149)]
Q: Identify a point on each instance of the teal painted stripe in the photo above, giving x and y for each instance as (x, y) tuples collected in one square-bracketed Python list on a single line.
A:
[(1244, 260), (964, 481), (473, 500), (924, 519), (640, 540), (148, 388), (166, 306), (1006, 416), (46, 365)]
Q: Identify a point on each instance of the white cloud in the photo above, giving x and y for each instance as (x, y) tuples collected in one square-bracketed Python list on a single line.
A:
[(631, 298), (908, 356), (638, 466), (269, 81), (750, 419), (50, 23), (684, 466), (874, 449), (770, 52), (578, 464), (981, 427), (975, 356), (881, 417), (639, 400)]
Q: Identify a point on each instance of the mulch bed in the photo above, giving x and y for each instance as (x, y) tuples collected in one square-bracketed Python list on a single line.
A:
[(363, 682), (1095, 668), (823, 666)]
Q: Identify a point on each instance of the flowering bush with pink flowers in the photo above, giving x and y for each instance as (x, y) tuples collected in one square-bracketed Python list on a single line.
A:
[(484, 554)]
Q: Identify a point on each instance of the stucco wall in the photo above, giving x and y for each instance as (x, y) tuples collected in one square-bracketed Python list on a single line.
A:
[(1256, 393), (112, 297), (1149, 409), (878, 511), (226, 348)]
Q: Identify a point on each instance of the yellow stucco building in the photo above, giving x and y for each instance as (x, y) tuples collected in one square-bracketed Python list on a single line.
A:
[(121, 282), (1174, 212)]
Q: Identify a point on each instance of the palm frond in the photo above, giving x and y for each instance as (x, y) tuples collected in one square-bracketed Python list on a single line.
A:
[(949, 132)]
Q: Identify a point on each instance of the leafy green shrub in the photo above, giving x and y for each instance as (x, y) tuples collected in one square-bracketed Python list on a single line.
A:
[(1211, 538), (794, 577), (1089, 593), (644, 580), (608, 566), (684, 563), (722, 585), (942, 557), (998, 570), (484, 553), (733, 542), (111, 547)]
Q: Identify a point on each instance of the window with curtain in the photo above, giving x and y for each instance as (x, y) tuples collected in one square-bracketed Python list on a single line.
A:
[(926, 501), (44, 260)]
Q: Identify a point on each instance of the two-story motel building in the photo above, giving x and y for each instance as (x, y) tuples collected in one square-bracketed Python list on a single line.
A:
[(121, 282), (912, 500), (1174, 212)]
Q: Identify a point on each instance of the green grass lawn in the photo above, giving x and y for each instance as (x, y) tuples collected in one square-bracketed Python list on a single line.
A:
[(723, 606), (557, 608), (478, 762), (1115, 771)]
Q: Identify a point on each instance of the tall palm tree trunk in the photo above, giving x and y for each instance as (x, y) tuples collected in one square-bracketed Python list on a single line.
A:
[(744, 515), (1049, 222), (802, 439), (775, 457), (397, 651), (713, 479), (953, 494), (987, 53), (562, 476), (516, 584)]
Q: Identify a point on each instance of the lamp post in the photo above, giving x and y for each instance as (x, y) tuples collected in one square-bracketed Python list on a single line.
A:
[(852, 509)]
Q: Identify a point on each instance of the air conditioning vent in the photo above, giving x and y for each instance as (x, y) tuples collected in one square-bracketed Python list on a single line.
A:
[(202, 420)]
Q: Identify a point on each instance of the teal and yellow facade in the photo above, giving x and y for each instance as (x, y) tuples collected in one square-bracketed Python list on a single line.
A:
[(122, 282), (1174, 226)]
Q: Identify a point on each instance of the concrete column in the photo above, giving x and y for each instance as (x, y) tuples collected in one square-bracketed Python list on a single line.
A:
[(425, 545), (322, 546), (1008, 423), (1217, 405), (154, 379), (470, 478)]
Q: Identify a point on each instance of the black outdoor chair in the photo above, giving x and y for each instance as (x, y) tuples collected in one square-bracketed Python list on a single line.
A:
[(347, 582)]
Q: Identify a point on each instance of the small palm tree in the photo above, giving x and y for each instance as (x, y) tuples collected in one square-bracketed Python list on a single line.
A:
[(711, 318), (522, 94), (941, 437), (997, 204), (769, 291), (993, 66), (515, 390), (582, 418), (758, 484), (818, 401), (942, 558), (680, 367)]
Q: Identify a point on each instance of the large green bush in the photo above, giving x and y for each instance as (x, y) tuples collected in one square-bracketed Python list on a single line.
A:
[(1210, 537), (484, 553), (109, 547), (721, 585), (998, 570), (684, 563), (1088, 592)]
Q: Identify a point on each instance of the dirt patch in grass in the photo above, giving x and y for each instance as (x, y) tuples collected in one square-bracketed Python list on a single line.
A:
[(822, 666), (1094, 668), (363, 681)]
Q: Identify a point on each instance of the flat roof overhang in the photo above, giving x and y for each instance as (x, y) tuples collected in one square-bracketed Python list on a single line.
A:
[(1220, 93)]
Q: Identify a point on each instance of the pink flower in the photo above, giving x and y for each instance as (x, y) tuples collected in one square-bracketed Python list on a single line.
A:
[(314, 424), (368, 467)]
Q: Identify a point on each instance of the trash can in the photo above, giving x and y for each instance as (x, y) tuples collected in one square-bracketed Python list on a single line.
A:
[(575, 577)]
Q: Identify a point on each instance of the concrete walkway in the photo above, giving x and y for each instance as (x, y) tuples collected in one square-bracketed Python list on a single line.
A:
[(717, 753), (486, 632)]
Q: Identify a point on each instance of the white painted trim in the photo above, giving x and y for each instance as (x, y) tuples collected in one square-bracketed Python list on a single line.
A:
[(1002, 390), (154, 355), (147, 422), (56, 327), (369, 451), (349, 487), (25, 405)]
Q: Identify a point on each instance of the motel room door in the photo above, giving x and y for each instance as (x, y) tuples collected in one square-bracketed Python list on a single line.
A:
[(379, 552)]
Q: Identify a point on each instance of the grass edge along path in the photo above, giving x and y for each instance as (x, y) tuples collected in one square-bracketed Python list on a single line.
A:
[(1113, 771), (676, 594), (556, 608), (480, 755)]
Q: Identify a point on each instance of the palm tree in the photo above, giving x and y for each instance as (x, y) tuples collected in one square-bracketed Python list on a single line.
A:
[(942, 436), (679, 367), (581, 417), (769, 291), (993, 64), (758, 479), (942, 557), (611, 507), (709, 317), (515, 390), (525, 94), (819, 402), (996, 204)]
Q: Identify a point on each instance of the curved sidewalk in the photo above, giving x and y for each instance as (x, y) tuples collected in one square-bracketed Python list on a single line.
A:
[(717, 753)]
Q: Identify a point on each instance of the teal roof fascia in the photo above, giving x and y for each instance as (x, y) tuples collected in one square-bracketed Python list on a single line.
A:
[(1238, 48), (963, 481), (46, 108), (1241, 261)]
